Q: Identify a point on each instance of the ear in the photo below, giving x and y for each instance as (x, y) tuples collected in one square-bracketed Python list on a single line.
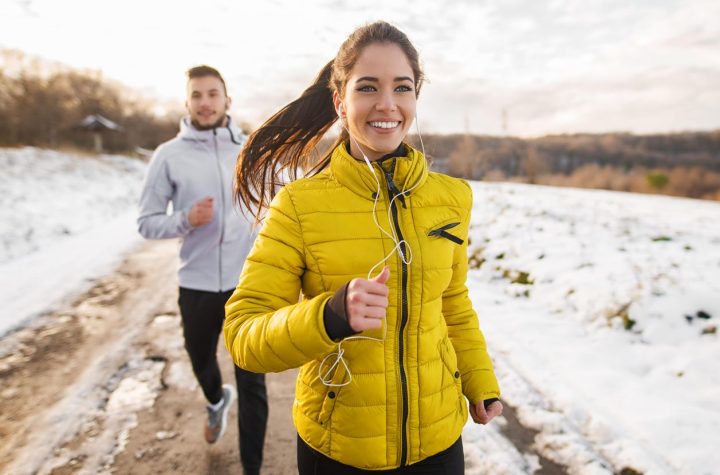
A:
[(337, 103), (228, 103)]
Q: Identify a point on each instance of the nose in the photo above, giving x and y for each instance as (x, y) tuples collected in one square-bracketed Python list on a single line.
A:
[(204, 100), (386, 102)]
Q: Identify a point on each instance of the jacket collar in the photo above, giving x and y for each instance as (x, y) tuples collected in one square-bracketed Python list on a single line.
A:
[(228, 133), (410, 170)]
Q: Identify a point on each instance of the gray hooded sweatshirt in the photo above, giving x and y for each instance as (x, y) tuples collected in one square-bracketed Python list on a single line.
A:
[(193, 165)]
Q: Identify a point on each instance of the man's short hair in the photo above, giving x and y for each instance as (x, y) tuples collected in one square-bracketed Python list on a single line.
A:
[(203, 71)]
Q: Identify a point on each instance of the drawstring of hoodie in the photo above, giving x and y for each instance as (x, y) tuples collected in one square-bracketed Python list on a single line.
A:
[(232, 136)]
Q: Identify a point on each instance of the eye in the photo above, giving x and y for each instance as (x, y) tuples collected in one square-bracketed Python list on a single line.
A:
[(366, 88), (403, 88)]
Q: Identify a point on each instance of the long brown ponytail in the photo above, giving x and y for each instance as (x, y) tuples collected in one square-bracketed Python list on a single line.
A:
[(283, 143), (285, 140)]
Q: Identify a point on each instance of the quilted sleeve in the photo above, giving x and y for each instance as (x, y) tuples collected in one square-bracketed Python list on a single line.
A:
[(267, 328), (478, 378)]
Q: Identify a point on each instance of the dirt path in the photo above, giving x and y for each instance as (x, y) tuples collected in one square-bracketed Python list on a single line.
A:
[(104, 386)]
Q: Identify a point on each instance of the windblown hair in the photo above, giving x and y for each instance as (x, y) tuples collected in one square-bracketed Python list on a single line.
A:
[(283, 144)]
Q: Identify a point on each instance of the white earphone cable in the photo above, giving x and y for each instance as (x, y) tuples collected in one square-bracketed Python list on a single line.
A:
[(327, 376)]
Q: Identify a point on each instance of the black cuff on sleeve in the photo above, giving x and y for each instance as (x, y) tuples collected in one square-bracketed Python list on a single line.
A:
[(487, 402), (335, 316)]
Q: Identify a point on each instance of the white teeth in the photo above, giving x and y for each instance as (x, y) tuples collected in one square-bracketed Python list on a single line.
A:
[(384, 125)]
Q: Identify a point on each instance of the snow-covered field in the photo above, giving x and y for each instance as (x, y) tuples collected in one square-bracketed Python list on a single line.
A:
[(606, 342), (600, 308), (64, 219)]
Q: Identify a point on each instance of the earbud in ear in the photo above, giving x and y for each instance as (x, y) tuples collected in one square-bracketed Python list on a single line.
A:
[(340, 111)]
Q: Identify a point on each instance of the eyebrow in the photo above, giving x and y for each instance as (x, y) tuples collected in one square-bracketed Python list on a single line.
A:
[(196, 91), (374, 79)]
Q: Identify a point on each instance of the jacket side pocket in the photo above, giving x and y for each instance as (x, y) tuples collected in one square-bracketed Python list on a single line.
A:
[(331, 395), (450, 364)]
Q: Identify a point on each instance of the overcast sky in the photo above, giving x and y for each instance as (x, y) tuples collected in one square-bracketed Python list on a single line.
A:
[(558, 66)]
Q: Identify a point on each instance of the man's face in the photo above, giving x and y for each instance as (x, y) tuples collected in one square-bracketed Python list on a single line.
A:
[(207, 102)]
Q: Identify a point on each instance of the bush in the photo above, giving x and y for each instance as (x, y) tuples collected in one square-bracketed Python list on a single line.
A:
[(41, 104)]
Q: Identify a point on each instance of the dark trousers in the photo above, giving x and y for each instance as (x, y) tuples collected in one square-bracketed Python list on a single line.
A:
[(450, 461), (203, 314)]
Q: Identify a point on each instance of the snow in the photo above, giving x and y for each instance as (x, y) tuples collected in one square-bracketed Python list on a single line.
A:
[(604, 344), (64, 219), (646, 397)]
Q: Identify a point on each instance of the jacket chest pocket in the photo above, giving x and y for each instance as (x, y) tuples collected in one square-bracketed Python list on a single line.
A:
[(446, 231), (441, 242)]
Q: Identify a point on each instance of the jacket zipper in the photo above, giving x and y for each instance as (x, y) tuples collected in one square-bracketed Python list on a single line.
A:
[(392, 192), (221, 216)]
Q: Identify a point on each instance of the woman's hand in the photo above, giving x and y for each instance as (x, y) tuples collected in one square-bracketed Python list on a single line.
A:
[(366, 301), (481, 415)]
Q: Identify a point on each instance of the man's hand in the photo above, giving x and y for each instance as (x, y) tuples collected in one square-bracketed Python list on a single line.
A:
[(366, 301), (481, 415), (201, 213)]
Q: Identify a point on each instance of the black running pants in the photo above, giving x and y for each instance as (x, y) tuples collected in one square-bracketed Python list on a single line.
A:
[(450, 461), (203, 315)]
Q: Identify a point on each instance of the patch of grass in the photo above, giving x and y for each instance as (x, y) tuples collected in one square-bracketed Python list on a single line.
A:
[(623, 313), (517, 276), (629, 471), (522, 278), (476, 258), (703, 314)]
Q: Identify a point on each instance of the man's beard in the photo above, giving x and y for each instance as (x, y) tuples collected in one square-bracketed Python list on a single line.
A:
[(217, 124)]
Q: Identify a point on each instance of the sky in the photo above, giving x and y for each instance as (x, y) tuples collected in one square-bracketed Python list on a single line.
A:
[(515, 67)]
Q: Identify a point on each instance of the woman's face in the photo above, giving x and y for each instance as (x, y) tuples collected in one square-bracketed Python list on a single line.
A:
[(379, 103)]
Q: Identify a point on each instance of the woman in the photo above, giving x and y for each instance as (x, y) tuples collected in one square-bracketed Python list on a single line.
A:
[(388, 360)]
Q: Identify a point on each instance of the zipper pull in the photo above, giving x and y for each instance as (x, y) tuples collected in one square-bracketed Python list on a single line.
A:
[(393, 189)]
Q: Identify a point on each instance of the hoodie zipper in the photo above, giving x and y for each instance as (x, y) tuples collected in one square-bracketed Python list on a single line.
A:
[(392, 192), (221, 216)]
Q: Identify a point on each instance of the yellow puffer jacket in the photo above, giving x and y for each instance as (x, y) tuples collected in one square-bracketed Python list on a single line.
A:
[(405, 401)]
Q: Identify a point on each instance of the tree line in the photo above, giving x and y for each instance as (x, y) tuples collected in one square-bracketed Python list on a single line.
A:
[(42, 104), (682, 164)]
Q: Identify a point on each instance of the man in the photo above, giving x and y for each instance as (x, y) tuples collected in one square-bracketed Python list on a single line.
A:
[(194, 171)]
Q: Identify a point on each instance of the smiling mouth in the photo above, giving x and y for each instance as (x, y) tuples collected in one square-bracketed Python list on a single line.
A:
[(384, 125)]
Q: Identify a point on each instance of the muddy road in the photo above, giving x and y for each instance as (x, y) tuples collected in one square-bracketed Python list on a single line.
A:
[(103, 386)]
